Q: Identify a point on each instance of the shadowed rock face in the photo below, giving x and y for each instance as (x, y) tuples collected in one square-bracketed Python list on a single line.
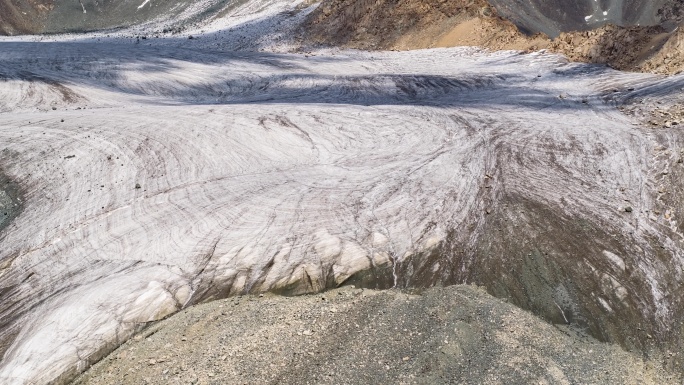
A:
[(22, 17), (554, 17)]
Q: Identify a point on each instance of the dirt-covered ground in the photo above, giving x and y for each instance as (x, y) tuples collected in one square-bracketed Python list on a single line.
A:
[(455, 335)]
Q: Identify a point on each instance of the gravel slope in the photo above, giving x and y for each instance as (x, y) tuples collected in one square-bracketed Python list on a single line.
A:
[(452, 335)]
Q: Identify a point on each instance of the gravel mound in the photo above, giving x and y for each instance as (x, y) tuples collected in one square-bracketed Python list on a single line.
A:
[(456, 334)]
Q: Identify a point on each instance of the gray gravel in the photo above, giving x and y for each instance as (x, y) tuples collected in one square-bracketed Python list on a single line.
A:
[(457, 334)]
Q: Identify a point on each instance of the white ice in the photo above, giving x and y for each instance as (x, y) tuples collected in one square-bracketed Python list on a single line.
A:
[(264, 171)]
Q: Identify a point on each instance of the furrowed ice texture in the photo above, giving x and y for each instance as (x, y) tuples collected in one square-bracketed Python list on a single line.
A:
[(169, 175), (19, 17)]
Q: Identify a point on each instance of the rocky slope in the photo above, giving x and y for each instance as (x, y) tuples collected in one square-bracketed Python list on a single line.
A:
[(456, 335), (625, 48), (526, 26), (410, 24), (22, 17)]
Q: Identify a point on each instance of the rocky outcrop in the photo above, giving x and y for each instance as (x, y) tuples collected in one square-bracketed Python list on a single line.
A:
[(624, 48), (670, 58)]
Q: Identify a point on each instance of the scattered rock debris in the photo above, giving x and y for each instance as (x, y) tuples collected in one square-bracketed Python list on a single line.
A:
[(456, 334)]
